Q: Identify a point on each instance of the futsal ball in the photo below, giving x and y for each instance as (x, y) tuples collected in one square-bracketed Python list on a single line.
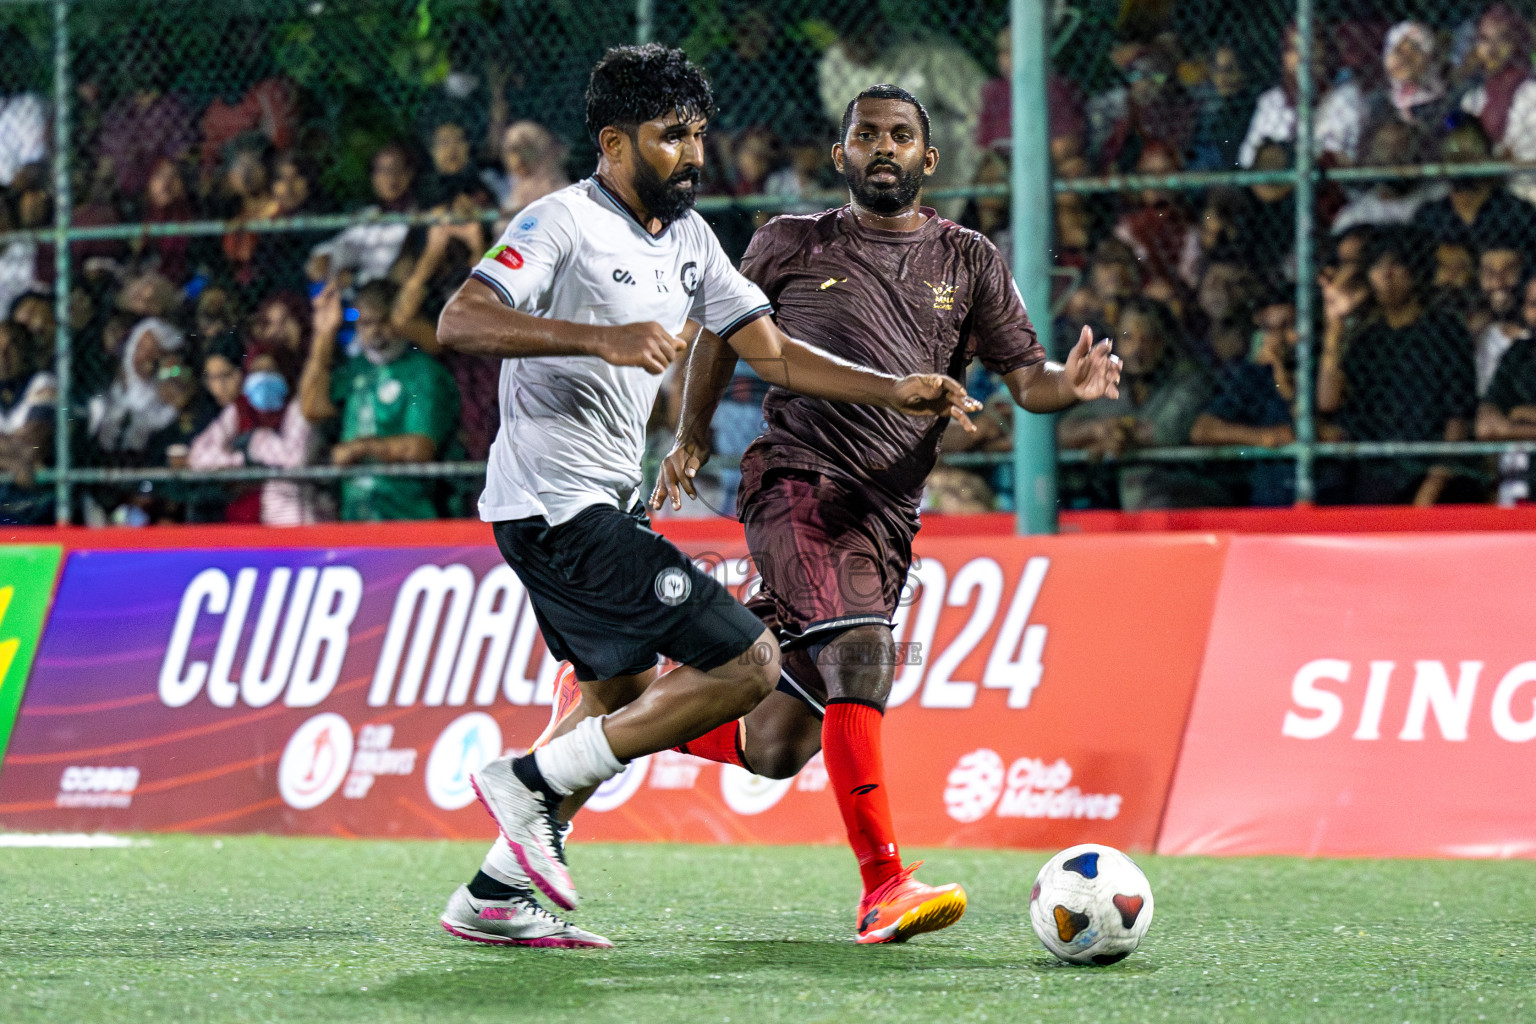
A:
[(1091, 905)]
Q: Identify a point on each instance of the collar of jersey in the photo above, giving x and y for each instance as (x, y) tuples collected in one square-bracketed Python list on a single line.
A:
[(623, 207), (887, 235)]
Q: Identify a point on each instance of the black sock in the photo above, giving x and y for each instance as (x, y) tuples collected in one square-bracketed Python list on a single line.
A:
[(484, 887), (526, 768)]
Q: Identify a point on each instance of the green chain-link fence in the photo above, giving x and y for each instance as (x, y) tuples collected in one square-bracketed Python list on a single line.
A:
[(209, 164)]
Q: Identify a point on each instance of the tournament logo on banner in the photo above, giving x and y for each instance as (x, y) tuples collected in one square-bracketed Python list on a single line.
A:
[(1364, 696), (26, 583), (352, 691)]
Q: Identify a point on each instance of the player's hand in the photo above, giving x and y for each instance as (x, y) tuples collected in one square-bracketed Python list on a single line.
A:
[(678, 469), (933, 394), (1092, 370), (647, 345)]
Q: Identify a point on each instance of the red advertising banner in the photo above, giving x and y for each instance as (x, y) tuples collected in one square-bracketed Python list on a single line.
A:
[(1364, 696), (350, 690)]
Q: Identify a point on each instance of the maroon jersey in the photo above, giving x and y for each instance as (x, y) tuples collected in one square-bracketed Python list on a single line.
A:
[(923, 301)]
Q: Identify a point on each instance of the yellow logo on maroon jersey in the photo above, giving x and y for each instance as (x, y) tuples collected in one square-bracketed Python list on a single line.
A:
[(943, 295), (829, 282)]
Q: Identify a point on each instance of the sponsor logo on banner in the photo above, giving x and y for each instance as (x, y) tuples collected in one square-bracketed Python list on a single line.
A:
[(1443, 699), (375, 757), (315, 761), (97, 787), (1030, 788), (26, 584), (465, 746), (616, 791), (746, 793), (975, 783)]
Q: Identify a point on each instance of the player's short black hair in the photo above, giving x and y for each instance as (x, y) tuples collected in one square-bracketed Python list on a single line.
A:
[(885, 91), (633, 84)]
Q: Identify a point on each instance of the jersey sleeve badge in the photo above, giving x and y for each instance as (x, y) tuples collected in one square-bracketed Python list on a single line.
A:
[(506, 256)]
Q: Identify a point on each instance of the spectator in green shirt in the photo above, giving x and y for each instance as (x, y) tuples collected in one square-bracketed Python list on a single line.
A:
[(396, 404)]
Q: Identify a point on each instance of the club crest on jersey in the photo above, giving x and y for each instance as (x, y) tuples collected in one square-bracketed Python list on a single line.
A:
[(943, 295), (506, 256), (690, 277)]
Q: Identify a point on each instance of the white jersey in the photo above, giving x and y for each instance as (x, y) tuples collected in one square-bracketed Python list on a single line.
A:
[(573, 427)]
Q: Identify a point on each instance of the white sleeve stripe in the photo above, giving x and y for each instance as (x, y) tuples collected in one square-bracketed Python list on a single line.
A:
[(743, 320), (496, 285)]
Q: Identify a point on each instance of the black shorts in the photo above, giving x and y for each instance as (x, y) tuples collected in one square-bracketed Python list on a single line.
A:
[(611, 594)]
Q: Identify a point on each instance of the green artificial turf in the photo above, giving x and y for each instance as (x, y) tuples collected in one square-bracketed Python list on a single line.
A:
[(259, 928)]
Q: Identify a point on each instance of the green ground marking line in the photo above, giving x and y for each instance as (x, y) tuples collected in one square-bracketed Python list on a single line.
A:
[(262, 928)]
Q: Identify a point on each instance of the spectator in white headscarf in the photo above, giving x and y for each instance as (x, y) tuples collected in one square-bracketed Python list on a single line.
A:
[(123, 419), (1414, 92)]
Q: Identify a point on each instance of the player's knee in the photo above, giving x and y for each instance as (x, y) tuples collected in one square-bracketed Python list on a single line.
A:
[(860, 664)]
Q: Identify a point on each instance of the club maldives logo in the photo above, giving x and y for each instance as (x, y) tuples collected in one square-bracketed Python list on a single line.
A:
[(463, 747), (1029, 788)]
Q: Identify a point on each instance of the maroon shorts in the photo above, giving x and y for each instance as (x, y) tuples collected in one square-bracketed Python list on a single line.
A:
[(830, 558)]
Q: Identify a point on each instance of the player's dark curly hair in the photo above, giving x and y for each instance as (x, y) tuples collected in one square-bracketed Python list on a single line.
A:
[(632, 84), (885, 92)]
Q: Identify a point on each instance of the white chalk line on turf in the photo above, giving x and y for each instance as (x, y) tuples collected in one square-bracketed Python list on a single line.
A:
[(67, 840)]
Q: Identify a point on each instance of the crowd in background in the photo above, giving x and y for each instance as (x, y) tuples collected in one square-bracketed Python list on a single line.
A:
[(288, 349)]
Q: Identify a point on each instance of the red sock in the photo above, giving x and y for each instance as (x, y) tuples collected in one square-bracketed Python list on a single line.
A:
[(850, 744), (719, 744)]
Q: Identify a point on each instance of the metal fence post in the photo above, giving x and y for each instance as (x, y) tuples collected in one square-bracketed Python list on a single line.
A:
[(1032, 214), (62, 204), (645, 21), (1306, 435)]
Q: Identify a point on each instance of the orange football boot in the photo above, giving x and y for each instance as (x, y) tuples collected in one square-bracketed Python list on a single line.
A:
[(904, 907), (567, 696)]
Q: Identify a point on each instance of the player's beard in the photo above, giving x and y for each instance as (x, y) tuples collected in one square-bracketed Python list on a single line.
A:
[(661, 197), (882, 197)]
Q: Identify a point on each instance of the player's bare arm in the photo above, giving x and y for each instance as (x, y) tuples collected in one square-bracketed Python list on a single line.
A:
[(808, 370), (711, 362), (477, 323), (1091, 371), (796, 366)]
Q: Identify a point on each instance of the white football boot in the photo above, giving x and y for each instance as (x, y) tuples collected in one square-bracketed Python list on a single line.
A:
[(518, 921)]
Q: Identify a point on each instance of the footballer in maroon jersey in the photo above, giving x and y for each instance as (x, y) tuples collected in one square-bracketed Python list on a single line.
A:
[(830, 492)]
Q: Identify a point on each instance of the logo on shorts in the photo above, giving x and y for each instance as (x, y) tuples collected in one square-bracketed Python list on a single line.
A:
[(673, 586), (506, 256)]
